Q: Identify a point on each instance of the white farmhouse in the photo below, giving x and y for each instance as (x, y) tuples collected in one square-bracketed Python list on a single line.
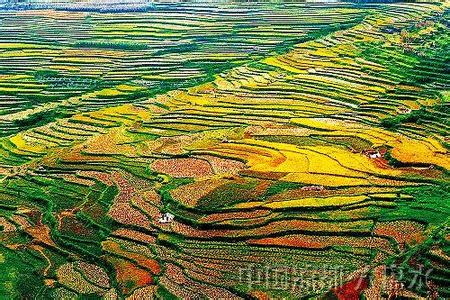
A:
[(166, 218)]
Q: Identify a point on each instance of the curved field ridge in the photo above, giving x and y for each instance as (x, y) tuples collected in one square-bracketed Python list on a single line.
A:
[(205, 151)]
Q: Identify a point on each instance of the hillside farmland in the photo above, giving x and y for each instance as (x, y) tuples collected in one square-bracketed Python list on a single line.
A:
[(225, 151)]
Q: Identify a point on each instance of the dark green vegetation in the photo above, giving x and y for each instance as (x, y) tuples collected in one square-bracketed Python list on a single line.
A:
[(438, 113)]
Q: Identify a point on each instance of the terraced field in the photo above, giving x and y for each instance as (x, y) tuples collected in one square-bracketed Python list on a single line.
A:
[(225, 151)]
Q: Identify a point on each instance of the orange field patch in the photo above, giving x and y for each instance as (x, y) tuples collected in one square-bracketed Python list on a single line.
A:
[(183, 167)]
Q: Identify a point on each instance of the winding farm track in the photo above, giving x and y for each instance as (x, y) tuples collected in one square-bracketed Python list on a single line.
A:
[(306, 161)]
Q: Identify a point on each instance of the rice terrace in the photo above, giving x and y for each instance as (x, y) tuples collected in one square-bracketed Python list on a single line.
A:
[(224, 150)]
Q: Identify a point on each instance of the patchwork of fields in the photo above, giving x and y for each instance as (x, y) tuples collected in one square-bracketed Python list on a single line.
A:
[(302, 150)]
